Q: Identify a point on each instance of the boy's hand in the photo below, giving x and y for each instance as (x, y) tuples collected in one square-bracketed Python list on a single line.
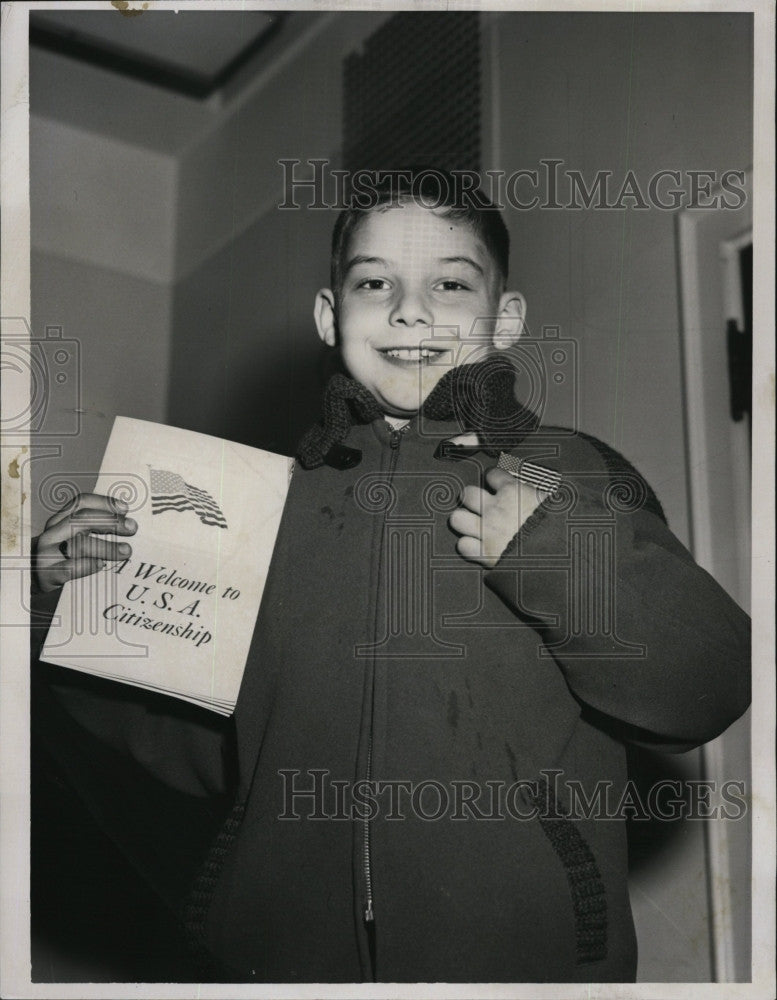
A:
[(69, 547), (487, 521)]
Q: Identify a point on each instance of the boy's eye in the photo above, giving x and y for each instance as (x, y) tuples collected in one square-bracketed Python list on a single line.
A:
[(450, 285), (374, 284)]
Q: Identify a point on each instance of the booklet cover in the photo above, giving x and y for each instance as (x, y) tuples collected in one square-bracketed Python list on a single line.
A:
[(178, 615)]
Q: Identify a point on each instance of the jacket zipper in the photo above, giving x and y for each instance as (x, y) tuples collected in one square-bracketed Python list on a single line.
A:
[(369, 911)]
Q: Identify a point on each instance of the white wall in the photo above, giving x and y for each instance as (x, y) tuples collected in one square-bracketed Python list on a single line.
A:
[(618, 92), (102, 234), (101, 201), (230, 176)]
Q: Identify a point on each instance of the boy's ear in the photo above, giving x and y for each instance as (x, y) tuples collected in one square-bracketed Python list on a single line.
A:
[(324, 315), (510, 323)]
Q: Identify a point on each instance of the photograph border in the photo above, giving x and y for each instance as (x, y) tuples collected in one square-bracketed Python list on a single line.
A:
[(16, 535)]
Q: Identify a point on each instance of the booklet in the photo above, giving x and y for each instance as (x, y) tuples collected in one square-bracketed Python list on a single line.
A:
[(178, 615)]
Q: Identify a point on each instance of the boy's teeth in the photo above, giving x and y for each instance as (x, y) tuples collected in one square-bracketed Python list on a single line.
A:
[(410, 353)]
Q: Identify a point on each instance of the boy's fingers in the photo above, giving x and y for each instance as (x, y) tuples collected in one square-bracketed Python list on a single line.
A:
[(470, 548), (90, 519), (76, 568), (84, 546), (86, 520), (472, 498), (93, 501), (496, 478), (465, 522), (52, 577)]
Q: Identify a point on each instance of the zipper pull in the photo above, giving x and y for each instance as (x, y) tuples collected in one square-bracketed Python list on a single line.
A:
[(369, 914), (396, 437)]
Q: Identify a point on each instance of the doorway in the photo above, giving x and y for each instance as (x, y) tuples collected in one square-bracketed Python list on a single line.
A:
[(715, 264)]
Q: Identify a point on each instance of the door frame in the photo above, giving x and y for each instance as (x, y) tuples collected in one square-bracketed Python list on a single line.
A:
[(718, 463)]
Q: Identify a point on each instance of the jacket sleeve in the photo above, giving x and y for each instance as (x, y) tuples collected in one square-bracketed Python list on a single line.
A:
[(641, 633), (148, 770), (182, 746)]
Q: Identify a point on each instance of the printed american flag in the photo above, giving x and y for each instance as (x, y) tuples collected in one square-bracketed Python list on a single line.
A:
[(170, 492), (529, 472)]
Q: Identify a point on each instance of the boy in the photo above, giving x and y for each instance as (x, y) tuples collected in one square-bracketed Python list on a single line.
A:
[(445, 651)]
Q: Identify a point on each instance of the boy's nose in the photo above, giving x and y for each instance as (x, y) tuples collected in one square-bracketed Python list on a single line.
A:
[(410, 309)]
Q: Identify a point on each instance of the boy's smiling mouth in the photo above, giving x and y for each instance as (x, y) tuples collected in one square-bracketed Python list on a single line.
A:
[(412, 355)]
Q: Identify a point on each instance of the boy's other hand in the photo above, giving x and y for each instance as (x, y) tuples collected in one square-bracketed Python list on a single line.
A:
[(487, 521), (69, 546)]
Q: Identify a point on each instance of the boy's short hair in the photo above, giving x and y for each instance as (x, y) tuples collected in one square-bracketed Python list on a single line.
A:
[(452, 194)]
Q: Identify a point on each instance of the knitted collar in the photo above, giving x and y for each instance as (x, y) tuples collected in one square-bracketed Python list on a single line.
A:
[(479, 397)]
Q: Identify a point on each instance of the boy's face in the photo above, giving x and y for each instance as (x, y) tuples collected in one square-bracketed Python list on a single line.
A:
[(420, 295)]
